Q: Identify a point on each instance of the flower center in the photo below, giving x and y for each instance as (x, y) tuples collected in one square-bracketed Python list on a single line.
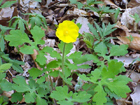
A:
[(66, 32)]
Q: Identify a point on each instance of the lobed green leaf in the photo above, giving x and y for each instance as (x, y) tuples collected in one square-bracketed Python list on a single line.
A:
[(17, 38), (117, 50)]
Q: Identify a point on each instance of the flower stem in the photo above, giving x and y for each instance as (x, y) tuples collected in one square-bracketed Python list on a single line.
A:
[(63, 60), (51, 83)]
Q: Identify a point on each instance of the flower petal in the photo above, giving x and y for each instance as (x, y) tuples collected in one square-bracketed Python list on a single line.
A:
[(67, 31)]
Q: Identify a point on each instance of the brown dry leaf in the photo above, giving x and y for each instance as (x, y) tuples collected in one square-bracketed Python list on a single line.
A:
[(134, 44), (123, 102), (124, 33), (124, 29), (6, 14), (30, 6), (136, 95), (79, 12), (133, 3), (135, 76), (127, 60), (129, 21), (8, 94), (109, 2), (121, 30), (84, 27), (34, 57)]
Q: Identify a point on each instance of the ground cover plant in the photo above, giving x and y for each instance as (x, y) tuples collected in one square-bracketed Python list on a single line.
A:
[(60, 80)]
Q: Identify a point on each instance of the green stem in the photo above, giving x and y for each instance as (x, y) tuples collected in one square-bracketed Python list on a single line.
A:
[(51, 83), (63, 60)]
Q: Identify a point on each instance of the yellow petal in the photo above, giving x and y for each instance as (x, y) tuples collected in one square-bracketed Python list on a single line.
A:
[(67, 31)]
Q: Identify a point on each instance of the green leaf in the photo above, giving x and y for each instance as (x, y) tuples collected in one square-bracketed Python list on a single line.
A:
[(5, 66), (92, 57), (16, 97), (65, 103), (33, 85), (29, 97), (84, 66), (61, 94), (130, 38), (68, 47), (40, 58), (54, 73), (71, 66), (94, 31), (79, 25), (136, 17), (52, 52), (36, 19), (47, 49), (91, 2), (14, 25), (0, 61), (21, 25), (34, 72), (117, 50), (17, 68), (53, 64), (84, 77), (16, 62), (1, 1), (73, 1), (8, 4), (100, 33), (89, 40), (40, 101), (114, 68), (81, 97), (78, 58), (5, 85), (37, 33), (17, 34), (119, 85), (100, 96), (103, 77), (66, 73), (4, 100), (38, 0), (42, 91), (108, 29), (94, 9), (20, 84), (111, 94), (75, 55), (99, 29), (28, 49), (2, 76), (95, 76), (79, 5), (101, 49), (86, 103), (42, 79), (117, 13), (89, 88), (2, 44), (55, 54)]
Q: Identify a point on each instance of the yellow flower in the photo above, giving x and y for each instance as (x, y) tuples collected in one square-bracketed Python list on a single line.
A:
[(67, 31)]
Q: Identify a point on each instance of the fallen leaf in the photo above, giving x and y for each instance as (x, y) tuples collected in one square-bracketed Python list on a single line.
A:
[(134, 44), (136, 95)]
